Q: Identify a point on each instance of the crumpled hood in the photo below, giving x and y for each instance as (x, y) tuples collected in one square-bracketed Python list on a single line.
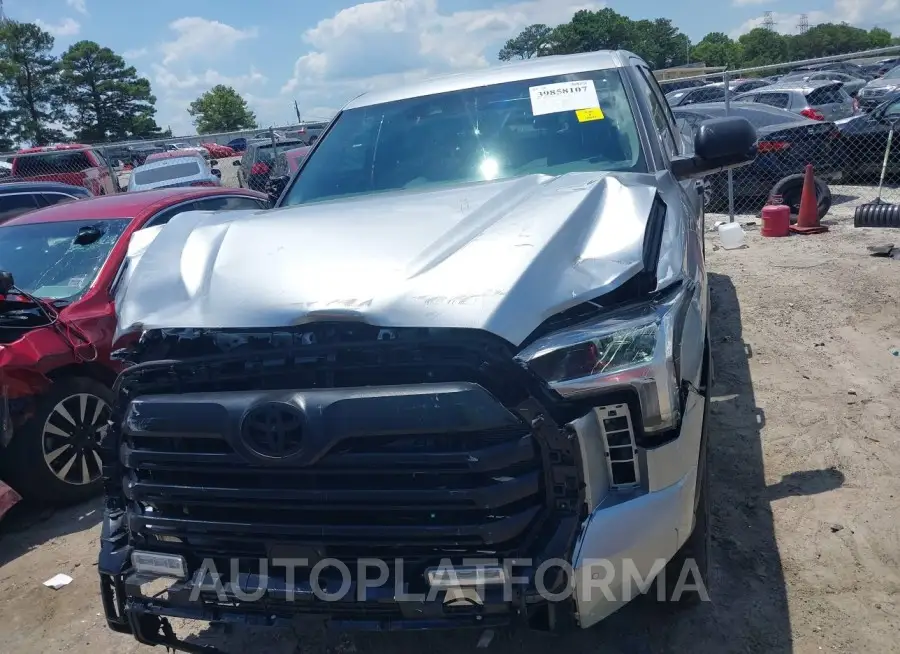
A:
[(501, 256)]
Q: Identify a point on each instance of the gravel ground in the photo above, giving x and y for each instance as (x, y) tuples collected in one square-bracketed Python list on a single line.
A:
[(805, 481)]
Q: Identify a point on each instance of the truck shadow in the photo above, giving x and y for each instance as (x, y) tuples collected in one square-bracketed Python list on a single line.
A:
[(26, 526), (748, 611)]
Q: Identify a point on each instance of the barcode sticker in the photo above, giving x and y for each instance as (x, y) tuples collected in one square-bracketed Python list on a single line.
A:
[(565, 96)]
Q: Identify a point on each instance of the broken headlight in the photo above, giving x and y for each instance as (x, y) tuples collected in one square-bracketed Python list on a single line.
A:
[(630, 349)]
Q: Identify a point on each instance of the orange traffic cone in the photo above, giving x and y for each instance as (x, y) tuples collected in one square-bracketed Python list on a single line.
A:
[(808, 218)]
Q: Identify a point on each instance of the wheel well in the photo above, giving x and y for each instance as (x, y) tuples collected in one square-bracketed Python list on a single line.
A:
[(94, 371)]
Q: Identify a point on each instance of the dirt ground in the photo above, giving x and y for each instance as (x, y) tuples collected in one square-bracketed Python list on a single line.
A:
[(805, 456)]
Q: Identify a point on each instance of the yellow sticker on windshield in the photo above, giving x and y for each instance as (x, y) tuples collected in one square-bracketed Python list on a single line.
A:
[(585, 115)]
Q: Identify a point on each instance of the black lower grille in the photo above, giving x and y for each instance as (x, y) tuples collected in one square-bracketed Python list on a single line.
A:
[(489, 483)]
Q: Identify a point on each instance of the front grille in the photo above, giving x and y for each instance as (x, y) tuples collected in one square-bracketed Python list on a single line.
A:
[(460, 492)]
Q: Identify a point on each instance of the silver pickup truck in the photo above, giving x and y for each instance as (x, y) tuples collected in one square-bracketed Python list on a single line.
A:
[(458, 377)]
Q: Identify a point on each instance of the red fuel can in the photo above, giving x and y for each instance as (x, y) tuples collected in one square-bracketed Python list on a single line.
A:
[(776, 218)]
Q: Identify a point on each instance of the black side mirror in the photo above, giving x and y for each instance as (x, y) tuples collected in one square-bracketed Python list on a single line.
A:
[(7, 283), (236, 162), (213, 162), (720, 144), (216, 172)]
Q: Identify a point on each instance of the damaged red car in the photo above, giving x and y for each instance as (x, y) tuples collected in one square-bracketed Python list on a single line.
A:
[(58, 270)]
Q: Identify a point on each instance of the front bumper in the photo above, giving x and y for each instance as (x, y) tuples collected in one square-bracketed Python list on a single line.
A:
[(622, 546), (630, 537), (628, 528)]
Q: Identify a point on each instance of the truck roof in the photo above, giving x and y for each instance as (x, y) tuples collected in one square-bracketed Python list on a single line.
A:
[(520, 70)]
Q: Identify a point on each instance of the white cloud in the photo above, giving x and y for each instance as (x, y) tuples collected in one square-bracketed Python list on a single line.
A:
[(166, 79), (202, 38), (67, 27), (405, 31), (136, 53), (78, 5)]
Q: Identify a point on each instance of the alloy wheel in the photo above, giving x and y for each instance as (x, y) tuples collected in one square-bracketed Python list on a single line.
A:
[(71, 438)]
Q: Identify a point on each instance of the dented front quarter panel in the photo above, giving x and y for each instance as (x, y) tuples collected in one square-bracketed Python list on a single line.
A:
[(499, 256), (27, 363)]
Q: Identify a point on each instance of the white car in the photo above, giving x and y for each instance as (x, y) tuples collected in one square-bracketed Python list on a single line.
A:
[(184, 146)]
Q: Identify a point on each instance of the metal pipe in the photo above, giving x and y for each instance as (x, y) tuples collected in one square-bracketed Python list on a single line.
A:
[(726, 76)]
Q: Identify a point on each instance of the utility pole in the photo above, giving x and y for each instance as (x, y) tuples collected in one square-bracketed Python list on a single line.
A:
[(803, 24), (768, 21), (296, 109)]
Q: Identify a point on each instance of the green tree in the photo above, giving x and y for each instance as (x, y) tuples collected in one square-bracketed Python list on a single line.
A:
[(29, 78), (221, 109), (6, 143), (717, 49), (828, 39), (527, 44), (761, 47), (591, 30), (879, 38), (107, 99), (659, 43)]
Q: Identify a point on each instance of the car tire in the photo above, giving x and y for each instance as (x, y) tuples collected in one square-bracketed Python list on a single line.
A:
[(696, 548), (790, 189), (37, 463)]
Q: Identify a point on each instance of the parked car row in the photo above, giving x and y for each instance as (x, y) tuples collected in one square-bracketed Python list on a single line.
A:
[(806, 116), (868, 91)]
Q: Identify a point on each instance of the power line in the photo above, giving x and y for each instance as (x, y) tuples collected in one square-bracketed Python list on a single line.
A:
[(803, 24), (768, 21)]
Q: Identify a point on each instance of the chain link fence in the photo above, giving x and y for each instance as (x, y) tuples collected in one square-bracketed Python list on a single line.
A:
[(831, 113), (250, 160)]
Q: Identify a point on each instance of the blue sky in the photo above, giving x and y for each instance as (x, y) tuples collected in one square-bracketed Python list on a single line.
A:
[(324, 53)]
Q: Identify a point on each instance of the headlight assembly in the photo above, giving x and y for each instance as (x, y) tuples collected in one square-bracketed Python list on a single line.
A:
[(630, 349)]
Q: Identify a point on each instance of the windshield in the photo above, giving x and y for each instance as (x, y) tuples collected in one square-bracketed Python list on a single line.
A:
[(893, 73), (526, 127), (166, 173), (46, 262), (33, 165)]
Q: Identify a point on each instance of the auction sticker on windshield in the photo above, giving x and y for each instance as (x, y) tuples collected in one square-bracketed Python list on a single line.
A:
[(565, 96), (586, 115)]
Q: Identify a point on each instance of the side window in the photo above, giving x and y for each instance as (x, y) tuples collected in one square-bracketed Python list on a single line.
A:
[(780, 100), (749, 97), (826, 95), (226, 203), (167, 214), (688, 123), (56, 198), (660, 111), (893, 109), (15, 205)]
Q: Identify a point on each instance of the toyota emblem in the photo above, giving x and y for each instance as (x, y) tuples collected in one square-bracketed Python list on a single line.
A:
[(273, 430)]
